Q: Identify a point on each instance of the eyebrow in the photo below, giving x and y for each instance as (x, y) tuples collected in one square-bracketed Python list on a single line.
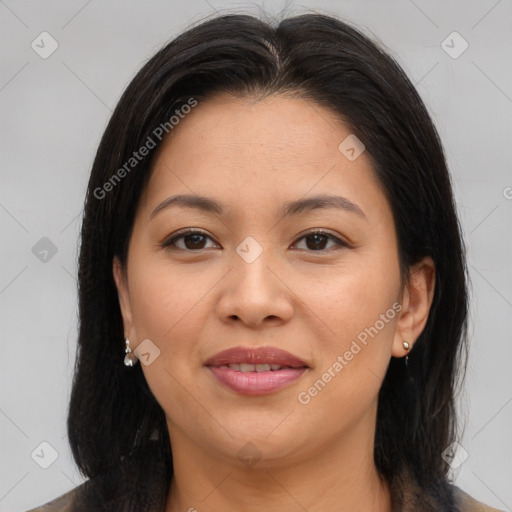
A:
[(290, 208)]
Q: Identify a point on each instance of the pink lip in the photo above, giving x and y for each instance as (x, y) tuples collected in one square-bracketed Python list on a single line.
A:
[(256, 383), (257, 355)]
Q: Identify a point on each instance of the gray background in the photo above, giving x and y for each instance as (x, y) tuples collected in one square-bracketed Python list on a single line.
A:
[(53, 113)]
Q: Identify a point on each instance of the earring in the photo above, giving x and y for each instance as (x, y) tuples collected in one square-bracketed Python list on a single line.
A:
[(128, 359), (406, 346)]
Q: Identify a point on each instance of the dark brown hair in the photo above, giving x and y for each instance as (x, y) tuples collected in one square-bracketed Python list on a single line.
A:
[(112, 412)]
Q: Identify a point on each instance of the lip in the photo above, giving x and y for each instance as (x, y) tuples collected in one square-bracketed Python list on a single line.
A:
[(256, 383), (257, 355)]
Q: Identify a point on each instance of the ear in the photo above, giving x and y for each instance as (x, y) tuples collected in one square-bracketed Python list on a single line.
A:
[(123, 294), (417, 298)]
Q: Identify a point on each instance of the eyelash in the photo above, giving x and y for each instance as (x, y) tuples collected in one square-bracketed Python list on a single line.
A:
[(168, 244)]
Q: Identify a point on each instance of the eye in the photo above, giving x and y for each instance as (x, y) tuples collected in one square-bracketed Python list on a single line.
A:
[(316, 240), (192, 240)]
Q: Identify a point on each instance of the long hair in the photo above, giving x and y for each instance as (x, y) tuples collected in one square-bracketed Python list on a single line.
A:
[(112, 412)]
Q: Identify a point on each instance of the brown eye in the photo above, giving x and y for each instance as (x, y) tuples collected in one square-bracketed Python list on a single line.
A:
[(191, 240), (317, 240)]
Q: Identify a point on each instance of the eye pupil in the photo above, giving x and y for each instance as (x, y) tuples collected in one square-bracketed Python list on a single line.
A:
[(196, 240), (318, 239)]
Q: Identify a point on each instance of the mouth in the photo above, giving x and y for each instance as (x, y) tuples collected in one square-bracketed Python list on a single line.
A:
[(256, 371)]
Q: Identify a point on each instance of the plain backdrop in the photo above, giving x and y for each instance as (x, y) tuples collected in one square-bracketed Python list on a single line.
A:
[(53, 112)]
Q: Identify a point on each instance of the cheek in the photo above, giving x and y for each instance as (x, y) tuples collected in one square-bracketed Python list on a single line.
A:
[(356, 310), (170, 305), (169, 308), (344, 302), (167, 301)]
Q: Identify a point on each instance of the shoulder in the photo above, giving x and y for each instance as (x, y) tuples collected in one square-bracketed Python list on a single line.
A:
[(61, 504), (409, 496), (468, 504), (118, 486)]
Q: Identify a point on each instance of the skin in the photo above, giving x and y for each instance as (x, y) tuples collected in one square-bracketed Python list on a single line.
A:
[(311, 300)]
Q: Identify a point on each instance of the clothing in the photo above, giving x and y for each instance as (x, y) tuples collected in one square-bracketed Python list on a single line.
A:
[(114, 490), (64, 503)]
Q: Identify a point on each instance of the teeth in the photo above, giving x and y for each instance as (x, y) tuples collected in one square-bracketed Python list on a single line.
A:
[(247, 367)]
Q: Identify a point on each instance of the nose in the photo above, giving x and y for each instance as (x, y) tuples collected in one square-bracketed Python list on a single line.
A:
[(255, 293)]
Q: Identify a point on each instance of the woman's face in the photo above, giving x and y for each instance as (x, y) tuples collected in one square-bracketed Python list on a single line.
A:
[(257, 276)]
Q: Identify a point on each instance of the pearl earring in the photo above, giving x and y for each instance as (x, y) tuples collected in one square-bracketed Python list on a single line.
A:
[(129, 360), (406, 346)]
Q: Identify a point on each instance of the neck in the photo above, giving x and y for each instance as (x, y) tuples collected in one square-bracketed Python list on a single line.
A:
[(340, 475)]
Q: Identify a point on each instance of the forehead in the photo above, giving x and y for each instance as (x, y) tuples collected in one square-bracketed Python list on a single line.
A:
[(272, 125), (261, 150)]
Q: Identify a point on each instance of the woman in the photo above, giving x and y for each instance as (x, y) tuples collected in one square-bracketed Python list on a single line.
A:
[(270, 229)]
